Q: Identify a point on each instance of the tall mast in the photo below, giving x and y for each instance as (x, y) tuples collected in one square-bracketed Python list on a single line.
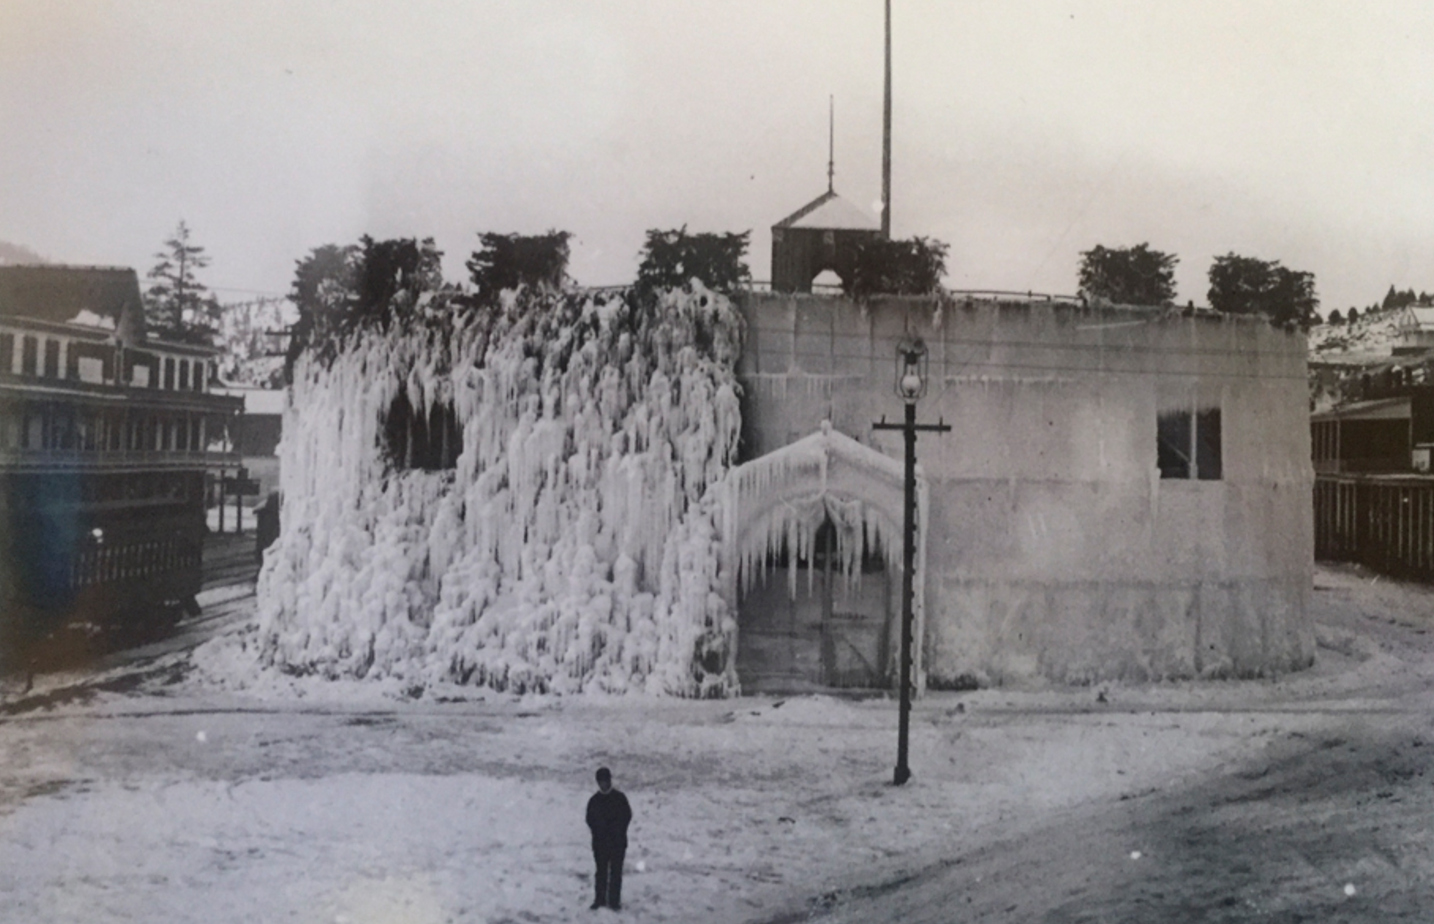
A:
[(831, 141), (886, 137)]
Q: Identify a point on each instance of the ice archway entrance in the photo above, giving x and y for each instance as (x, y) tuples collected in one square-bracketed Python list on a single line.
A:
[(814, 550)]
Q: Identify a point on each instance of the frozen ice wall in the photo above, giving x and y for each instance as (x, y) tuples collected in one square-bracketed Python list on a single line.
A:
[(573, 547)]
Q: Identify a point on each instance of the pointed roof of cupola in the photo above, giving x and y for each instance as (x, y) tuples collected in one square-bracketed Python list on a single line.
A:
[(830, 212)]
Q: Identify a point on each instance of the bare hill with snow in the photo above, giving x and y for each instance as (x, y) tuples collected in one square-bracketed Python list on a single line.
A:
[(1370, 338)]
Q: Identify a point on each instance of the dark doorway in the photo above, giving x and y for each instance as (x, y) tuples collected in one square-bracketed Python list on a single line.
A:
[(835, 631)]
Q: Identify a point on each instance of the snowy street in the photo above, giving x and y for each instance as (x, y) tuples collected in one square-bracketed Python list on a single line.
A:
[(155, 790)]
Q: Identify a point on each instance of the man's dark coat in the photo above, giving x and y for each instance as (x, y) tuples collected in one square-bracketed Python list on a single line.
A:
[(608, 817)]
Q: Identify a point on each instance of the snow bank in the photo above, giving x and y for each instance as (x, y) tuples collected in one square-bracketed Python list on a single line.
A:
[(575, 544)]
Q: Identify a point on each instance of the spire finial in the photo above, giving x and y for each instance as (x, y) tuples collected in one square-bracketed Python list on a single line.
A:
[(831, 141)]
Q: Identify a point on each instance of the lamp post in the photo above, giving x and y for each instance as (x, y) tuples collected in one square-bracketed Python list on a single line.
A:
[(910, 387)]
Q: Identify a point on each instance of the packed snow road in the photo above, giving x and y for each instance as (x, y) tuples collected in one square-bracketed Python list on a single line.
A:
[(161, 791)]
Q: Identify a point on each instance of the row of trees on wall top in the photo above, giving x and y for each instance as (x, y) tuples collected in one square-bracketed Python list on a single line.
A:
[(1238, 285), (339, 289)]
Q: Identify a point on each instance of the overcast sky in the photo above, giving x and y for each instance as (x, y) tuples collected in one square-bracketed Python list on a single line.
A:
[(1024, 132)]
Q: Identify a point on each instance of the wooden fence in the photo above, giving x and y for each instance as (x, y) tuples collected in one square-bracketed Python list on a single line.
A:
[(1384, 522)]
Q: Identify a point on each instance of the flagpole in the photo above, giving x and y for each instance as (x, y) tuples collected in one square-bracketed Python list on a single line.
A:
[(886, 138)]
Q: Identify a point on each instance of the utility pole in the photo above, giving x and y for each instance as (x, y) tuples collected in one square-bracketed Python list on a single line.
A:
[(886, 138), (910, 386)]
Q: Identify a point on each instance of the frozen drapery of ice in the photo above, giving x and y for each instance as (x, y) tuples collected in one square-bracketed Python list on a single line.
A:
[(779, 501), (575, 546)]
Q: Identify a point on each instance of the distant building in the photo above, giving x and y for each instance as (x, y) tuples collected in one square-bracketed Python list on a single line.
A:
[(1382, 435), (104, 444), (1372, 414), (1416, 329), (822, 235), (254, 436)]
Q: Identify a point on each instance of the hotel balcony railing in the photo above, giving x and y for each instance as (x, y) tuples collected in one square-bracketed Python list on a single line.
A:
[(16, 459)]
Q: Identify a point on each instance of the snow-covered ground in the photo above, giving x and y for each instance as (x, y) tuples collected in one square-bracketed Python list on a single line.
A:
[(156, 792)]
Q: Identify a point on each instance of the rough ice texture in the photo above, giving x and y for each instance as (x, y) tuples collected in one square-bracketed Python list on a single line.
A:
[(575, 545)]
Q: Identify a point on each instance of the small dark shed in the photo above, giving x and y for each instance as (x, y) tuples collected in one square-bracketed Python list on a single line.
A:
[(822, 235)]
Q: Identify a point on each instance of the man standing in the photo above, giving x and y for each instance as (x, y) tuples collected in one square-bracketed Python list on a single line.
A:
[(608, 816)]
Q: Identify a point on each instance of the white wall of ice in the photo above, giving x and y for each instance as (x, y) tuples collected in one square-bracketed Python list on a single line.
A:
[(576, 545)]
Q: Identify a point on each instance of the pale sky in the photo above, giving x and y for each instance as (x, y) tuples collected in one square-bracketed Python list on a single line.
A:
[(1025, 132)]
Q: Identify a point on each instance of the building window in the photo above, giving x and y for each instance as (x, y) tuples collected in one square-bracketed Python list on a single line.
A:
[(7, 353), (62, 430), (52, 359), (90, 369), (29, 355), (169, 374), (34, 430), (199, 376), (86, 430), (1188, 444), (415, 440), (184, 375)]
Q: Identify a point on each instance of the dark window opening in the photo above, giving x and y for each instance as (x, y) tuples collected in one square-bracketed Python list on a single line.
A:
[(63, 430), (52, 359), (29, 355), (169, 374), (414, 440), (184, 376), (7, 353), (1188, 445)]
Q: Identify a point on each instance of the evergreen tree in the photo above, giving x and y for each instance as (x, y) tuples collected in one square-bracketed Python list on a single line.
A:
[(672, 259), (340, 290), (178, 306), (897, 267), (1248, 285), (1128, 275), (507, 261)]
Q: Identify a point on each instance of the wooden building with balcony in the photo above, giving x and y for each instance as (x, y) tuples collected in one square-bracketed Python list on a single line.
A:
[(105, 438)]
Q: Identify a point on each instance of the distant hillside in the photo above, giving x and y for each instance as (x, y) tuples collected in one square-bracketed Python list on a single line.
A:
[(13, 254), (1355, 362), (1369, 339)]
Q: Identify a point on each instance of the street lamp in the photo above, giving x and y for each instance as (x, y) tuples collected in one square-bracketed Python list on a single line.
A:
[(911, 370), (911, 381)]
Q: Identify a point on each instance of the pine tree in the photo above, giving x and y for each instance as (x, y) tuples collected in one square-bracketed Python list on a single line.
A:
[(179, 306)]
